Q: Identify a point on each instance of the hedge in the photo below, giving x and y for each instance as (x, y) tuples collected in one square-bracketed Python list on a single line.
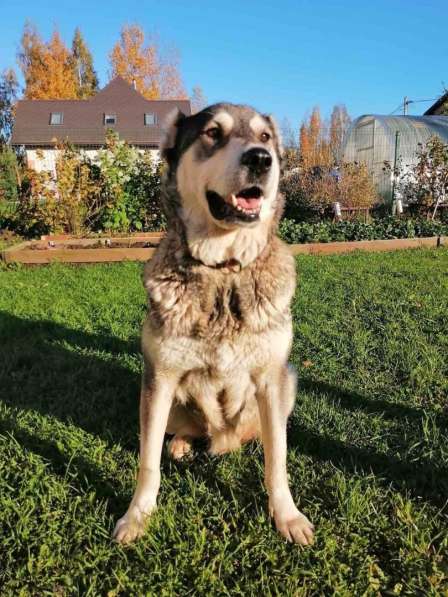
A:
[(385, 228)]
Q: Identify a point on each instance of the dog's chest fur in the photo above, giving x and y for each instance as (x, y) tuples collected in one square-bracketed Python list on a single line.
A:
[(188, 299)]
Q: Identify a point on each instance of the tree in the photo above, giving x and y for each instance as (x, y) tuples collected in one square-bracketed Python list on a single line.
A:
[(82, 64), (290, 145), (31, 59), (288, 134), (8, 95), (313, 145), (304, 143), (425, 185), (339, 123), (46, 67), (320, 144), (155, 76), (198, 99)]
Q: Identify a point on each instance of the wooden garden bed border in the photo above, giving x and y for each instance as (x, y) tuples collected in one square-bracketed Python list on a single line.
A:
[(23, 254)]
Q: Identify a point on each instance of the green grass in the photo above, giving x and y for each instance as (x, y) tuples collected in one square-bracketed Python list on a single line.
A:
[(368, 454)]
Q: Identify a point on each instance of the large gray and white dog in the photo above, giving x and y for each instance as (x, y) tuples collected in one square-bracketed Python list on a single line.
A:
[(218, 332)]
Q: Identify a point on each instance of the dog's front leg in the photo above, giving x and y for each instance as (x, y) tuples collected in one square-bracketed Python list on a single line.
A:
[(155, 404), (290, 522)]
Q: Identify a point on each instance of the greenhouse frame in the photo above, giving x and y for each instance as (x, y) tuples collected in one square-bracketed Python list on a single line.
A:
[(374, 140)]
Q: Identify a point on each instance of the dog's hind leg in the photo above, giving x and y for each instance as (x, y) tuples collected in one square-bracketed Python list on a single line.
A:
[(185, 426), (155, 404), (275, 405)]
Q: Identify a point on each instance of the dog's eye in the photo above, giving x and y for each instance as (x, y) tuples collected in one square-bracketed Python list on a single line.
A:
[(265, 137), (213, 132)]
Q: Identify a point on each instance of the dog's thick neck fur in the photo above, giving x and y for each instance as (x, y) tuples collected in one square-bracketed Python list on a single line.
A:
[(211, 245)]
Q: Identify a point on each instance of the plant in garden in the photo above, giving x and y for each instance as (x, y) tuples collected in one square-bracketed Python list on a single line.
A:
[(130, 181), (426, 185), (143, 192), (118, 191), (381, 229), (36, 208), (78, 194), (310, 192), (8, 174), (117, 165)]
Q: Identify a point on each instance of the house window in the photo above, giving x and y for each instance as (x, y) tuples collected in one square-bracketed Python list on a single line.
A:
[(56, 118), (150, 119), (110, 119)]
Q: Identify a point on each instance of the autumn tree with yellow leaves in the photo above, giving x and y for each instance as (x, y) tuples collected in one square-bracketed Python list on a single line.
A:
[(46, 67), (142, 63), (320, 144)]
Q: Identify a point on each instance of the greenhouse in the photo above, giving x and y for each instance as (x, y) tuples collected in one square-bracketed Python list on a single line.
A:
[(374, 140)]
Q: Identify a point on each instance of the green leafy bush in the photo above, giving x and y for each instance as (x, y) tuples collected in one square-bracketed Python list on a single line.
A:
[(8, 175), (385, 228), (117, 191), (130, 188)]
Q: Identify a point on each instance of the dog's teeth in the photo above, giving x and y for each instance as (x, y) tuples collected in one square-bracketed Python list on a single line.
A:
[(234, 200), (239, 208)]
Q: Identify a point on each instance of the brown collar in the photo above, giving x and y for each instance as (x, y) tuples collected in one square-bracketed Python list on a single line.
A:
[(228, 266)]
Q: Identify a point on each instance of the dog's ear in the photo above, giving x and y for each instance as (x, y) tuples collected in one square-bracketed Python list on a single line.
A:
[(170, 129), (277, 135)]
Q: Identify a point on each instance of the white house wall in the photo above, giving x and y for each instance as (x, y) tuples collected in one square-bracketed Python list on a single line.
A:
[(45, 159)]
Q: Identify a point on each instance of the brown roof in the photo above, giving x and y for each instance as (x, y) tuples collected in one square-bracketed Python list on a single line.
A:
[(83, 120), (439, 107)]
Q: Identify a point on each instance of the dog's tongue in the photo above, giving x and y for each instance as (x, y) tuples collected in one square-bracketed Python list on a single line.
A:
[(248, 202)]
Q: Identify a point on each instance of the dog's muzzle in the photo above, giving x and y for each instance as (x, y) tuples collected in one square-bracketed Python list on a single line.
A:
[(241, 207)]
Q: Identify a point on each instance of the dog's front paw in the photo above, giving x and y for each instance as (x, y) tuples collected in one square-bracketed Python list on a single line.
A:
[(292, 524), (131, 526), (297, 529)]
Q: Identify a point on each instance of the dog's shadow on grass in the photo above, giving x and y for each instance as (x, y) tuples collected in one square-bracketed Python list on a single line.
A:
[(83, 379), (422, 478), (71, 375)]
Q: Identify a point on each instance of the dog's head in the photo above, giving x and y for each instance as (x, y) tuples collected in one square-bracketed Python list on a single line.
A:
[(226, 163)]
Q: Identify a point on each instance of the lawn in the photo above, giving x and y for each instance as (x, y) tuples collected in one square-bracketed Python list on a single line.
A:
[(368, 454)]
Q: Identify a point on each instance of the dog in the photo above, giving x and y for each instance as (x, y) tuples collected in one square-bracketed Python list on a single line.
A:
[(218, 333)]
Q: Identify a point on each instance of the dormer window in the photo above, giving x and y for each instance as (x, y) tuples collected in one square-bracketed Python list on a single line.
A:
[(56, 118), (150, 119), (110, 119)]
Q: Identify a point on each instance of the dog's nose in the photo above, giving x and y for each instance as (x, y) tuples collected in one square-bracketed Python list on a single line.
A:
[(257, 159)]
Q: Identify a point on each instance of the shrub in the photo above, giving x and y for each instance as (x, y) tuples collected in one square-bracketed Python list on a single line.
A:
[(425, 184), (310, 193), (8, 175), (131, 188), (117, 192), (386, 228)]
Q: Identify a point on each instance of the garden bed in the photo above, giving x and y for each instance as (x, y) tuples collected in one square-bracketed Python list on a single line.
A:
[(68, 249), (394, 244)]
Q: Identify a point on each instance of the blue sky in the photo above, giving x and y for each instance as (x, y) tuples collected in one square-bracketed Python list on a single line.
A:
[(283, 57)]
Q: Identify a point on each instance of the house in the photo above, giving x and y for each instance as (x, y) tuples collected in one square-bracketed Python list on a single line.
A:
[(40, 125), (439, 107)]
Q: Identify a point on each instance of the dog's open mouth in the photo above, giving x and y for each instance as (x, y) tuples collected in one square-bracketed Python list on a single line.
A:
[(244, 205)]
